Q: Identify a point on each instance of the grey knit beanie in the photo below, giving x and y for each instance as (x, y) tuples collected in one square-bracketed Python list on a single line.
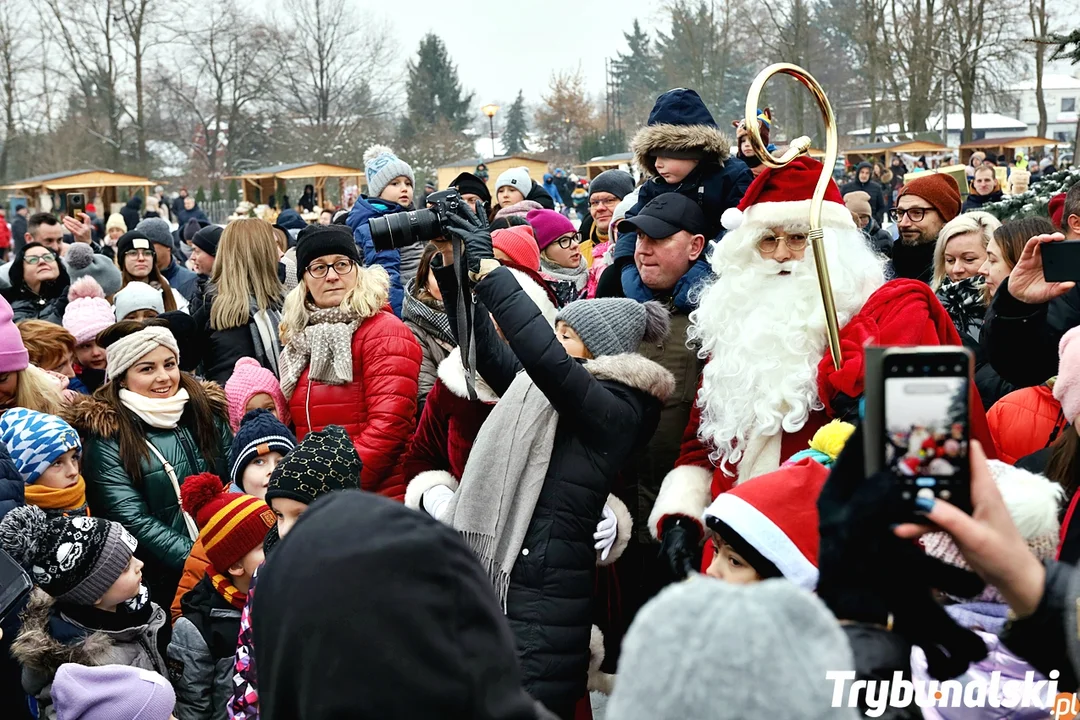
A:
[(708, 649), (73, 559), (157, 231), (82, 261), (617, 182), (381, 166), (612, 326)]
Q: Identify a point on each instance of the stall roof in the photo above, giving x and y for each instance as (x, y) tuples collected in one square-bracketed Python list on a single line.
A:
[(615, 159), (290, 171), (474, 161), (1021, 142), (76, 179), (908, 146)]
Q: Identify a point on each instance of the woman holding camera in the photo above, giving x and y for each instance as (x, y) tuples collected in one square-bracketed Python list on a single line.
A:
[(347, 360)]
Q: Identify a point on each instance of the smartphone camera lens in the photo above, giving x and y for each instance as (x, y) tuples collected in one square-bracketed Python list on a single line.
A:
[(926, 368), (958, 368), (910, 369)]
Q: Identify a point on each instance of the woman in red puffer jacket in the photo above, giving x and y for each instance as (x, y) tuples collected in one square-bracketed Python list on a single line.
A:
[(348, 360)]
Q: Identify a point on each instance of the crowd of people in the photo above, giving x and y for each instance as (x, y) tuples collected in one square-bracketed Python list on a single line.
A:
[(277, 470)]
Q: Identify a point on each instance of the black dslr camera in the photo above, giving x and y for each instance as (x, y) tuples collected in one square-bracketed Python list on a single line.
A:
[(417, 226)]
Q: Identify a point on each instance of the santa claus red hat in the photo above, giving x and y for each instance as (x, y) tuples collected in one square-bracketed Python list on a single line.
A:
[(781, 197), (776, 514)]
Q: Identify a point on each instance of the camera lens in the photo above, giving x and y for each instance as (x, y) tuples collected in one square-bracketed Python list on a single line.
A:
[(403, 229), (958, 368)]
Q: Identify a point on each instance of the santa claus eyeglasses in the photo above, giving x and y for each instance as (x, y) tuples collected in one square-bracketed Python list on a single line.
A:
[(769, 243)]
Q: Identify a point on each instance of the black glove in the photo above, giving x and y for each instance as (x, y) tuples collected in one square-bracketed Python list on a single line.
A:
[(473, 234), (867, 574), (679, 540)]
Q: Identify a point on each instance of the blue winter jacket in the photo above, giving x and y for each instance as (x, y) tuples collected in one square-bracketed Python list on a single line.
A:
[(182, 280), (12, 485), (551, 188), (363, 211), (634, 288)]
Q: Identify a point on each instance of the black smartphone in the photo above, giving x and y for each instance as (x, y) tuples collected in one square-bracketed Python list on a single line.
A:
[(1061, 261), (917, 423), (76, 203), (14, 584)]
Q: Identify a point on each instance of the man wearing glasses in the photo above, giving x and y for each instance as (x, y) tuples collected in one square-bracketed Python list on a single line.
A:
[(924, 206)]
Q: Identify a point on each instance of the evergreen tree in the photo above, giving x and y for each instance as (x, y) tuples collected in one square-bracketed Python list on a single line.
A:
[(516, 132), (234, 191), (433, 91), (638, 75)]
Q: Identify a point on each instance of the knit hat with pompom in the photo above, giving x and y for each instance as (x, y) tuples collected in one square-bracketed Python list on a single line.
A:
[(73, 559), (249, 379), (611, 326), (82, 261), (381, 166), (88, 312), (230, 524)]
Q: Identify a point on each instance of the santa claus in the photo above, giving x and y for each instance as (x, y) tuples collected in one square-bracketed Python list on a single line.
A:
[(769, 381)]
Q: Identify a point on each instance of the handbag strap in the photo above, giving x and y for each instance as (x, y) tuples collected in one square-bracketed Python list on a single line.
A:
[(193, 530)]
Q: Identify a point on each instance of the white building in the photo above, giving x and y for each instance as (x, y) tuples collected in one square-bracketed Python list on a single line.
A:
[(983, 125), (1062, 96)]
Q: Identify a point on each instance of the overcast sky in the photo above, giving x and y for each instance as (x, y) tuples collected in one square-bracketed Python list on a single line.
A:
[(502, 46)]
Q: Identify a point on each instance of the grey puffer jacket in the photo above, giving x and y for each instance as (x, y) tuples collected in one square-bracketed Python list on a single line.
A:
[(201, 654), (51, 636)]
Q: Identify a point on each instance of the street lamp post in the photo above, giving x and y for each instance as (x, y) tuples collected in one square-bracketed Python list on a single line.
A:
[(490, 111)]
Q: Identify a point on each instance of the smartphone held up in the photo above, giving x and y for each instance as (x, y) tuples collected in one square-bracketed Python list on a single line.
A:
[(917, 423)]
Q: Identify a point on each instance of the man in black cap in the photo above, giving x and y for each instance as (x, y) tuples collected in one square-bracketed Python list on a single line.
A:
[(667, 261), (473, 191)]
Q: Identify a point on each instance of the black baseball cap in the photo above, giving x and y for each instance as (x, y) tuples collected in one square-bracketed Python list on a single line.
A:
[(666, 215)]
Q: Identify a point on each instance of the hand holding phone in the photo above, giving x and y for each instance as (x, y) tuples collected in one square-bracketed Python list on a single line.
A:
[(1027, 281)]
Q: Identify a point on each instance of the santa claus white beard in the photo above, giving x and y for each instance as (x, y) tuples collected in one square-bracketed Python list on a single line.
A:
[(763, 334)]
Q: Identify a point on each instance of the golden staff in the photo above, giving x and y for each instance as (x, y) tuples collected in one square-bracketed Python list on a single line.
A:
[(799, 146)]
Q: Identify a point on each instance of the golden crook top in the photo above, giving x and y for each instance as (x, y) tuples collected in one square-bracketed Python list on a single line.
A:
[(798, 147)]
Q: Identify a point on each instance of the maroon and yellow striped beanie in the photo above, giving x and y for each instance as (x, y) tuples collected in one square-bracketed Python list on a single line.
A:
[(230, 524)]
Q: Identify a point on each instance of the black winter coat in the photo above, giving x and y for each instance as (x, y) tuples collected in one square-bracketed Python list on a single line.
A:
[(976, 202), (132, 212), (18, 233), (540, 195), (715, 187), (870, 187), (1021, 340), (222, 348), (880, 239), (606, 407), (25, 305)]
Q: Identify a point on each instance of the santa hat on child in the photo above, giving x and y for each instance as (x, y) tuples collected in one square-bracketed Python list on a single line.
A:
[(776, 516), (781, 197)]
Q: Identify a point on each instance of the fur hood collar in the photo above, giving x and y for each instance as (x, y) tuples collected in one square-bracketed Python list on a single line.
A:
[(634, 371), (452, 374), (36, 648), (90, 416), (705, 138)]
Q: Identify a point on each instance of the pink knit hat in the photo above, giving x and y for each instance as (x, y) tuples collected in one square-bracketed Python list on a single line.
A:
[(519, 244), (1067, 385), (13, 354), (249, 378), (88, 312), (549, 226)]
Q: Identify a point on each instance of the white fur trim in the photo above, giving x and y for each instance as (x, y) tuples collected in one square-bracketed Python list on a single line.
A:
[(423, 482), (601, 682), (731, 218), (762, 455), (764, 536), (1032, 500), (794, 212), (686, 490), (537, 294), (452, 374), (624, 524)]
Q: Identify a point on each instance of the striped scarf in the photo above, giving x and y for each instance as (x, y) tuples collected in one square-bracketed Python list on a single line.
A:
[(224, 587)]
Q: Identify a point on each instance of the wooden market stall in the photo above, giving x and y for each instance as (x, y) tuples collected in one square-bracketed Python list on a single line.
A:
[(260, 184), (888, 150), (608, 162), (495, 166), (1007, 147), (99, 185)]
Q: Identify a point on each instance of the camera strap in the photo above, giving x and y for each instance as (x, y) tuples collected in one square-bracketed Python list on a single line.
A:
[(466, 341)]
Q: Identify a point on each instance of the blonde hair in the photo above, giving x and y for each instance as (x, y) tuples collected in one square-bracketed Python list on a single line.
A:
[(978, 221), (245, 267), (367, 297), (37, 391)]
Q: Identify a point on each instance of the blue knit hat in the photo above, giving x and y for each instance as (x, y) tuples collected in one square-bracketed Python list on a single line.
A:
[(259, 433), (381, 166), (35, 440)]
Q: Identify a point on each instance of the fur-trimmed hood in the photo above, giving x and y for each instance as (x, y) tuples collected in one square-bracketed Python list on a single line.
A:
[(452, 373), (90, 416), (634, 371), (36, 647), (708, 139)]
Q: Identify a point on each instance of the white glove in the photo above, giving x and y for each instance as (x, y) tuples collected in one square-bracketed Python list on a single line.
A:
[(606, 530), (436, 499)]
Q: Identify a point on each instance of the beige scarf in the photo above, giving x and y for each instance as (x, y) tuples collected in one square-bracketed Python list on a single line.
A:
[(325, 345)]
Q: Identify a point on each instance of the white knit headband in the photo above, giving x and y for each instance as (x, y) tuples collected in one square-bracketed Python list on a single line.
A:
[(126, 351)]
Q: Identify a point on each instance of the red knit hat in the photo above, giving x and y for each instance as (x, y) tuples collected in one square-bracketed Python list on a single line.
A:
[(519, 244), (777, 515), (781, 197), (1056, 209), (230, 524), (938, 189)]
